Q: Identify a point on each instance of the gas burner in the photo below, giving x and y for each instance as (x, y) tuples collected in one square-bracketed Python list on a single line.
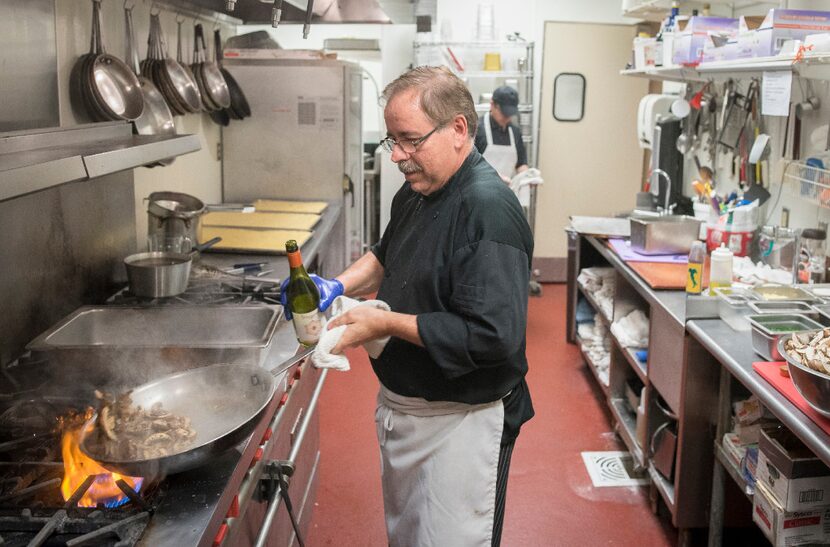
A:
[(210, 286)]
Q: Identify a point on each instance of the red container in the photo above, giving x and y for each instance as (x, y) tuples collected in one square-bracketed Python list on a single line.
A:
[(739, 242)]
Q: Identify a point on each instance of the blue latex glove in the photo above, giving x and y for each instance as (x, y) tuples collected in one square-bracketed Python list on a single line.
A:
[(329, 290)]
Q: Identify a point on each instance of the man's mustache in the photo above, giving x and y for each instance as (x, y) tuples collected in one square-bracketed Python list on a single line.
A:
[(408, 167)]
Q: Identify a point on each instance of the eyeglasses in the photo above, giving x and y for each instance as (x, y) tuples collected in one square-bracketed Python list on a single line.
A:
[(409, 146)]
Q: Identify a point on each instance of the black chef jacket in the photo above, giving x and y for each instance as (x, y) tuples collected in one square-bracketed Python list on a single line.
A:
[(459, 259), (502, 137)]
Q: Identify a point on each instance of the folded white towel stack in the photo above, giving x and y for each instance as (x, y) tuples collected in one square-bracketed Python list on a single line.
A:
[(323, 357)]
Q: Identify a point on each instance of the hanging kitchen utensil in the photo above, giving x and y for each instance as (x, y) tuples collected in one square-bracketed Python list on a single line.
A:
[(185, 65), (170, 77), (106, 86), (78, 88), (214, 82), (156, 119), (239, 108), (196, 65), (224, 403), (113, 84)]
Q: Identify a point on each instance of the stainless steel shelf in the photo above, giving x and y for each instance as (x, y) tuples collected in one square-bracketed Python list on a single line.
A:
[(594, 304), (638, 367), (734, 472), (628, 429), (475, 45), (665, 488), (32, 161), (735, 353), (673, 301), (813, 66), (495, 74), (593, 368)]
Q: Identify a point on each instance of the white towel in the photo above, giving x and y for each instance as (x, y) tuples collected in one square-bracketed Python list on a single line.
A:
[(322, 356)]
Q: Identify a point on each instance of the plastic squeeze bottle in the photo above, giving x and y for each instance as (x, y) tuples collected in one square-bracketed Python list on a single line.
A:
[(694, 275), (720, 271)]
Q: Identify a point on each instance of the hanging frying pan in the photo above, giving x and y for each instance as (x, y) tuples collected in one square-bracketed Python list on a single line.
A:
[(156, 119), (112, 83), (239, 107)]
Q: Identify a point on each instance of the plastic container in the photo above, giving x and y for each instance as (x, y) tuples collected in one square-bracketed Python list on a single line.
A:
[(694, 273), (811, 266), (720, 268), (737, 238), (734, 307)]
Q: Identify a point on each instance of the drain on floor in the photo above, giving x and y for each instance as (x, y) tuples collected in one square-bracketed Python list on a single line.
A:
[(613, 469)]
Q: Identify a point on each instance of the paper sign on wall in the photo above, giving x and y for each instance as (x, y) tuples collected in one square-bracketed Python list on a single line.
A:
[(775, 93)]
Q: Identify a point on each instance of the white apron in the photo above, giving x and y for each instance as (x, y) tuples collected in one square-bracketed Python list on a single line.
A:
[(439, 462), (502, 157)]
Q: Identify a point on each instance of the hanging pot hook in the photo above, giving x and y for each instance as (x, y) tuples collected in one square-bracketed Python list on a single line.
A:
[(156, 7), (131, 5), (179, 18)]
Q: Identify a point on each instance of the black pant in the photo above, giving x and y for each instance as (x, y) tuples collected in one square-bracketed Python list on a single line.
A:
[(505, 452)]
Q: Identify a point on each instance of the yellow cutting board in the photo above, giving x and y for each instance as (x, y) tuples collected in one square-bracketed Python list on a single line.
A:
[(252, 240), (287, 206), (292, 221)]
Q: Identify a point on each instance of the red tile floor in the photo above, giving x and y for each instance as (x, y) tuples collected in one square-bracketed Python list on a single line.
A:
[(550, 499)]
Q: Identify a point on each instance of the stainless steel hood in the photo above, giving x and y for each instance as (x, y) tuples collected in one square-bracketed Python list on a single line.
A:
[(325, 11)]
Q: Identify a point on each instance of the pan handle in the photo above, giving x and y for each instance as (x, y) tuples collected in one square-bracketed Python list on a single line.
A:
[(273, 503)]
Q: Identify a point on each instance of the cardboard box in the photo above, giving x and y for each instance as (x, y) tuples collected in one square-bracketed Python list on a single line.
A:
[(781, 25), (787, 529), (747, 38), (790, 472), (733, 448), (749, 411), (691, 35)]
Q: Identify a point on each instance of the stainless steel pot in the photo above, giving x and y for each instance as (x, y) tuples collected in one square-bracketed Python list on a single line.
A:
[(158, 274), (174, 214)]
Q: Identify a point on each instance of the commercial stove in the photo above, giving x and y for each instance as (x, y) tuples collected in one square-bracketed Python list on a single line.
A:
[(236, 499)]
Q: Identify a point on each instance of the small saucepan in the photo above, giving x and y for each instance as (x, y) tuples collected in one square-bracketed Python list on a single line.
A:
[(159, 274)]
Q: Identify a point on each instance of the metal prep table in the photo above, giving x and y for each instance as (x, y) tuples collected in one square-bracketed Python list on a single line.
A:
[(707, 355), (734, 352)]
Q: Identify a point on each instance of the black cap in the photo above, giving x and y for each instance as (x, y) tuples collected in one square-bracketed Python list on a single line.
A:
[(508, 100)]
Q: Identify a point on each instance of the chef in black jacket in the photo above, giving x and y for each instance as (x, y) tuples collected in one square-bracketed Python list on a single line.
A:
[(454, 265)]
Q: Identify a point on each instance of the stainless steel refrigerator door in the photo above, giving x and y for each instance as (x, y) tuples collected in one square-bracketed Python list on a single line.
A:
[(292, 145)]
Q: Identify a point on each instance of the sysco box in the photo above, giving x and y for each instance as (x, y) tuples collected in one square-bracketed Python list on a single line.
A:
[(691, 35), (781, 25)]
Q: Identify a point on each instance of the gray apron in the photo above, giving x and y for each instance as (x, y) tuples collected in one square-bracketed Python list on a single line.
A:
[(439, 463)]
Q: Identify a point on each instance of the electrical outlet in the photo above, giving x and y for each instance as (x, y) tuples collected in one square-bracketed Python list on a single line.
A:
[(785, 217)]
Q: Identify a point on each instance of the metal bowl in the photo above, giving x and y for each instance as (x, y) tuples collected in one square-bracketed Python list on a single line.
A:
[(811, 384)]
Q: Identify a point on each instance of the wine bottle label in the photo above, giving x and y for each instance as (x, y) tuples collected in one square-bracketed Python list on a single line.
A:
[(308, 327)]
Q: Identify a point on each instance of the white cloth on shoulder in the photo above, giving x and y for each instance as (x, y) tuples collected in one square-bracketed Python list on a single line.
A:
[(323, 357)]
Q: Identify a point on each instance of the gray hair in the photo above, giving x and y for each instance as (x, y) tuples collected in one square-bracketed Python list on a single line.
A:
[(443, 95)]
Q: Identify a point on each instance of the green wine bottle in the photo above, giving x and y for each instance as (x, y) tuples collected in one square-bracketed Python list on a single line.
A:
[(303, 298)]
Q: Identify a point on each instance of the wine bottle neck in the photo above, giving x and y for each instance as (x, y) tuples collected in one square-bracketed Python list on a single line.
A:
[(295, 260)]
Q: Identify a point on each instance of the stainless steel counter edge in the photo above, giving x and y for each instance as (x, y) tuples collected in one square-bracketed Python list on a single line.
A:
[(673, 301), (734, 351), (279, 263)]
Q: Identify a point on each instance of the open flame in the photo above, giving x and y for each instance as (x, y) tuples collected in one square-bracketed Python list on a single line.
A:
[(78, 466)]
